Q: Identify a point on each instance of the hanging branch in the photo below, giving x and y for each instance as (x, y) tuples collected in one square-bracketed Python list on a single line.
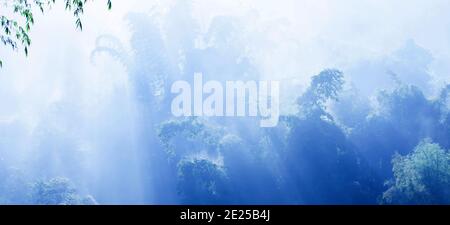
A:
[(14, 32)]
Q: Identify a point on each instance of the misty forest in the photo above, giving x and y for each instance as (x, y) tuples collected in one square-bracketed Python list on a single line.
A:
[(376, 132)]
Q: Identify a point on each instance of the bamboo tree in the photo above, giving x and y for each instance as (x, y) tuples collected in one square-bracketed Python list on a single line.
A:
[(15, 29)]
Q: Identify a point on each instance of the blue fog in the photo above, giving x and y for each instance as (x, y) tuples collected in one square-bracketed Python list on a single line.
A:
[(86, 118)]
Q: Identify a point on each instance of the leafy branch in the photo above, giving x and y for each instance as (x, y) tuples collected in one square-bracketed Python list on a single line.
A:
[(15, 30)]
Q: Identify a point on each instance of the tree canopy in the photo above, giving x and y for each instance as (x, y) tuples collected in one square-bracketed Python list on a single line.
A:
[(422, 177), (324, 86)]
